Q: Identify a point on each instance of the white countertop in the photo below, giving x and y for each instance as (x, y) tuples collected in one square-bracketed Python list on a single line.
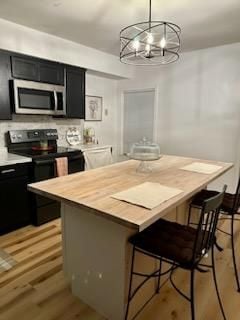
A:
[(84, 147), (10, 158)]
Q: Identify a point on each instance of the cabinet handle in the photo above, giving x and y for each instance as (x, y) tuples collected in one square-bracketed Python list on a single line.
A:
[(7, 171)]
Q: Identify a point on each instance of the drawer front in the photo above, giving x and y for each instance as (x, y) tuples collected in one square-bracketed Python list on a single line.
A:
[(47, 213), (12, 171)]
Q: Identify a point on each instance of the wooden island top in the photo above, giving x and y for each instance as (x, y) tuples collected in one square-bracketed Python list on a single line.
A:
[(92, 190)]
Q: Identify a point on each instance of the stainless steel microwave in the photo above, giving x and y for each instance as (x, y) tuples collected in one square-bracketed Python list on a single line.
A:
[(38, 98)]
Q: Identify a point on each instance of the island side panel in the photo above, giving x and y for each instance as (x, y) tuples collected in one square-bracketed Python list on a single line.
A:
[(95, 260)]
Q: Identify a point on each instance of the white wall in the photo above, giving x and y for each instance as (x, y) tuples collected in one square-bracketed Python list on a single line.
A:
[(15, 37), (105, 130), (198, 105)]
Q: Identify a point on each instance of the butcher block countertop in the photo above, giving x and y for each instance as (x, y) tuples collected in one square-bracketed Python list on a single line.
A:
[(92, 190)]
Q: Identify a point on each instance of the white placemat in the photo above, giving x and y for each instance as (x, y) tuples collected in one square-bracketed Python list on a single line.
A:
[(148, 194), (201, 167)]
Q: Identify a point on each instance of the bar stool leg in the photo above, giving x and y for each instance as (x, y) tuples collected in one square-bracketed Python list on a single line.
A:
[(215, 283), (159, 276), (192, 295), (233, 253), (130, 284), (189, 214)]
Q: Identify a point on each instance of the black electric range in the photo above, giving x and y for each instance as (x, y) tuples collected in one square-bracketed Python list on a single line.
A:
[(27, 143), (54, 152)]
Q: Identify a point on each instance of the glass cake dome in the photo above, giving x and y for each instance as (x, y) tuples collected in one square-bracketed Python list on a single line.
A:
[(145, 150)]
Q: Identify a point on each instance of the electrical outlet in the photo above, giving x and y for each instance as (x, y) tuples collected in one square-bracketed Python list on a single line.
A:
[(106, 112)]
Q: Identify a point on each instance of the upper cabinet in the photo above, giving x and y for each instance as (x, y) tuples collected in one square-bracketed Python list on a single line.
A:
[(37, 70), (75, 92), (24, 69), (18, 66), (5, 76), (51, 72)]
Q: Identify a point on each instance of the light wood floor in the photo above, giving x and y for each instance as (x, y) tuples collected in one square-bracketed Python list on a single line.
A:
[(35, 289)]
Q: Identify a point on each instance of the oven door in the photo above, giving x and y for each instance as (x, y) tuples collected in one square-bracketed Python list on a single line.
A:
[(44, 209), (38, 98)]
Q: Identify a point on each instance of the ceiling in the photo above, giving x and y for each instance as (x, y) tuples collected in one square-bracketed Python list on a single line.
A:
[(96, 23)]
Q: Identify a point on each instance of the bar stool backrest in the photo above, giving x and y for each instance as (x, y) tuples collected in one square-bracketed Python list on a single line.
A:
[(207, 225), (236, 201)]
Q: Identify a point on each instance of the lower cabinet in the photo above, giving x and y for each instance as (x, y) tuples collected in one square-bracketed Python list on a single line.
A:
[(14, 197)]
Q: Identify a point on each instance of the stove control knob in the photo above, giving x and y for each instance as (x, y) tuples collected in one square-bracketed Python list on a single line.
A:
[(19, 136), (48, 134), (14, 136)]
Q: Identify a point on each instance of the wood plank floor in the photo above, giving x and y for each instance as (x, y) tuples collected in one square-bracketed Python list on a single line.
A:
[(35, 289)]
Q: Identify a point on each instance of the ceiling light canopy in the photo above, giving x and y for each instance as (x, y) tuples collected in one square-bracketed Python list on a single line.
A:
[(150, 43)]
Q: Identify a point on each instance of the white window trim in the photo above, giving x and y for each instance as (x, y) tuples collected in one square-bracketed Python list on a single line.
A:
[(155, 113)]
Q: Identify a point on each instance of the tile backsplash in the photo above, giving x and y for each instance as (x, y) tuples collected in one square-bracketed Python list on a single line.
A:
[(23, 122)]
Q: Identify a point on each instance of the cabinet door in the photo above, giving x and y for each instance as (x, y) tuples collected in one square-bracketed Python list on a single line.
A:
[(14, 213), (51, 73), (75, 92), (5, 76), (25, 68)]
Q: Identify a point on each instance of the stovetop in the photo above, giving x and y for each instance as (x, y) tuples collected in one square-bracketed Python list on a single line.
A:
[(55, 152)]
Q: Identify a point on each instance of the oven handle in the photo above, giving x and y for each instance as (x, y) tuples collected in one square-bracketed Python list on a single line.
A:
[(55, 100), (51, 161)]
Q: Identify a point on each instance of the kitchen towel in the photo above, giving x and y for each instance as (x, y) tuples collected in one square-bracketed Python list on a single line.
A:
[(96, 158), (148, 194), (62, 166), (201, 168)]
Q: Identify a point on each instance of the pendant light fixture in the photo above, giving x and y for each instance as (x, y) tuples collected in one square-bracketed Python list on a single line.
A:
[(150, 43)]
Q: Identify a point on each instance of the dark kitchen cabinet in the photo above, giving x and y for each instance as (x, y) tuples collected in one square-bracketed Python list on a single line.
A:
[(25, 68), (14, 197), (75, 92), (32, 69), (5, 75), (51, 73)]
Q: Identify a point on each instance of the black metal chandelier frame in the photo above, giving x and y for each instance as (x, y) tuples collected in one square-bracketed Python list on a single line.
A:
[(171, 50)]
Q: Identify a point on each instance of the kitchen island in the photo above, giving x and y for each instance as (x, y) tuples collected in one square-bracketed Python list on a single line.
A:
[(96, 227)]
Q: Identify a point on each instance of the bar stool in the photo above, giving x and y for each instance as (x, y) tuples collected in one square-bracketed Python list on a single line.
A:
[(229, 207), (180, 247)]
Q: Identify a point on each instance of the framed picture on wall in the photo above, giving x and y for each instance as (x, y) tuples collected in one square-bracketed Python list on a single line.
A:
[(93, 108)]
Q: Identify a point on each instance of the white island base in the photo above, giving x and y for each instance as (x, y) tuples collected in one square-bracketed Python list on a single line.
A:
[(97, 259)]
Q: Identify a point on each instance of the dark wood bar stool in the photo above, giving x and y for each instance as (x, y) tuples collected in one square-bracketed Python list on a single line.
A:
[(180, 247), (229, 207)]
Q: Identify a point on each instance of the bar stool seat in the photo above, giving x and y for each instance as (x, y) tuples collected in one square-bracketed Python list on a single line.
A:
[(228, 200), (172, 241)]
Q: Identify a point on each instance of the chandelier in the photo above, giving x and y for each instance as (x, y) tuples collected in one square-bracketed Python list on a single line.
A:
[(150, 43)]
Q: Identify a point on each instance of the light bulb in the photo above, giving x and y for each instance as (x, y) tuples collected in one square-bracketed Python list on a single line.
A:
[(148, 48), (150, 38), (163, 43), (136, 44)]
